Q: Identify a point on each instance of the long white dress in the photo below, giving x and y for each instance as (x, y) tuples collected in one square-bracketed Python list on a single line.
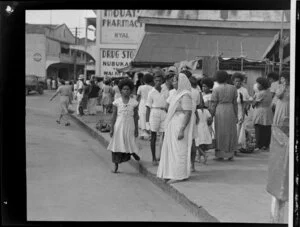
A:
[(123, 139), (203, 132)]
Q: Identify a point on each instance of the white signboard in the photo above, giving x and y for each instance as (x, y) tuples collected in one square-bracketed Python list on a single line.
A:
[(120, 27), (112, 59)]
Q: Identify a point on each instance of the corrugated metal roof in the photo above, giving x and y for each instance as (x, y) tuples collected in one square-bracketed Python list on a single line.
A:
[(39, 28), (170, 48), (219, 15)]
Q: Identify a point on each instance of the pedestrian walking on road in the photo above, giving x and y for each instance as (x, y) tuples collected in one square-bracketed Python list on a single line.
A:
[(65, 92), (124, 128), (262, 115), (175, 162), (224, 109)]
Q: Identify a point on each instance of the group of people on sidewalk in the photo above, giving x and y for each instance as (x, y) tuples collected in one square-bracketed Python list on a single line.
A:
[(189, 117)]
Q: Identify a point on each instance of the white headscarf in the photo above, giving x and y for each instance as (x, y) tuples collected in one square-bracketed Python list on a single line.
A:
[(183, 83)]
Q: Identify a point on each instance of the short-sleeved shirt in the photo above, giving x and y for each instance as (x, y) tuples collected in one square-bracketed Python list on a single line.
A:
[(262, 113), (245, 94), (157, 99), (164, 88), (171, 95), (64, 90), (143, 91)]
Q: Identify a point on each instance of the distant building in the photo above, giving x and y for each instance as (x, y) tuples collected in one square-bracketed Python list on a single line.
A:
[(48, 52)]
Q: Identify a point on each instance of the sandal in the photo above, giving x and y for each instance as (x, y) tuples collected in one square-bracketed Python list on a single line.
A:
[(67, 124), (57, 121)]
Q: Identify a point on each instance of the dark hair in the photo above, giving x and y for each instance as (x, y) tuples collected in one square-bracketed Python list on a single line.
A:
[(158, 74), (193, 81), (208, 82), (221, 76), (116, 82), (263, 82), (106, 82), (126, 82), (62, 82), (147, 78), (140, 75), (273, 75), (286, 75), (187, 73), (237, 75)]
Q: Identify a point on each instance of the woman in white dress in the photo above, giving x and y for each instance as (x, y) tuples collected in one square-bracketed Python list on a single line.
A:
[(124, 128), (175, 162), (142, 96)]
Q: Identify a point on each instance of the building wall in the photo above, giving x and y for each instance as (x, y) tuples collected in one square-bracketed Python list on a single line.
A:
[(53, 48), (36, 54), (62, 33)]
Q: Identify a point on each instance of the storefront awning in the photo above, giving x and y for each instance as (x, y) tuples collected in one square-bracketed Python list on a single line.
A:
[(168, 48)]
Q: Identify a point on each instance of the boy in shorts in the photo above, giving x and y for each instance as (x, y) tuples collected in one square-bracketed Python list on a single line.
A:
[(156, 113)]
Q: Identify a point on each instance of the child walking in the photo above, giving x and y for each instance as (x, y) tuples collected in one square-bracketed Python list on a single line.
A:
[(204, 136), (124, 128)]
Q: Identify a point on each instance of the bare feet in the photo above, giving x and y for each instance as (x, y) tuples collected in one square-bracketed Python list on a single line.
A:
[(116, 168), (155, 163)]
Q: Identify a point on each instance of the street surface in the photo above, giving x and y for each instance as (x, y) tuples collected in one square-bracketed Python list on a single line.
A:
[(69, 176)]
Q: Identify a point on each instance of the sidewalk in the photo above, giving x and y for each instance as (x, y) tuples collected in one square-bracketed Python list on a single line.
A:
[(229, 191)]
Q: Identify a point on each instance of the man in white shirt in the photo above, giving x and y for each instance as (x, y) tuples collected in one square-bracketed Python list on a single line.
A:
[(156, 112)]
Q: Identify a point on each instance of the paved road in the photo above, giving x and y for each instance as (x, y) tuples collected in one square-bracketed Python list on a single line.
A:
[(69, 176)]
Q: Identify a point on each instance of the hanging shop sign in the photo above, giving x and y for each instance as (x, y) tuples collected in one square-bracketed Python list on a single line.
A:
[(120, 27), (113, 59)]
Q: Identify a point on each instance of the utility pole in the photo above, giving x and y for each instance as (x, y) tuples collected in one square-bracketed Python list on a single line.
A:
[(75, 55), (85, 48), (281, 44)]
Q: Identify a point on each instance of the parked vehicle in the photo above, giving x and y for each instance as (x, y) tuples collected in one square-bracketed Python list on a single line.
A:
[(33, 83)]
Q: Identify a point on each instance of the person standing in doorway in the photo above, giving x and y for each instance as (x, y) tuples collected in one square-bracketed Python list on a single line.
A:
[(53, 84), (49, 83), (156, 113)]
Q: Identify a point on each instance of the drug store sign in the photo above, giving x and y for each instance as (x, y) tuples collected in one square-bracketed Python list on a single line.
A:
[(120, 27), (112, 59)]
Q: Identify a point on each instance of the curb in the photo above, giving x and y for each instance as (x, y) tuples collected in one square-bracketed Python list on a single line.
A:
[(193, 208)]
